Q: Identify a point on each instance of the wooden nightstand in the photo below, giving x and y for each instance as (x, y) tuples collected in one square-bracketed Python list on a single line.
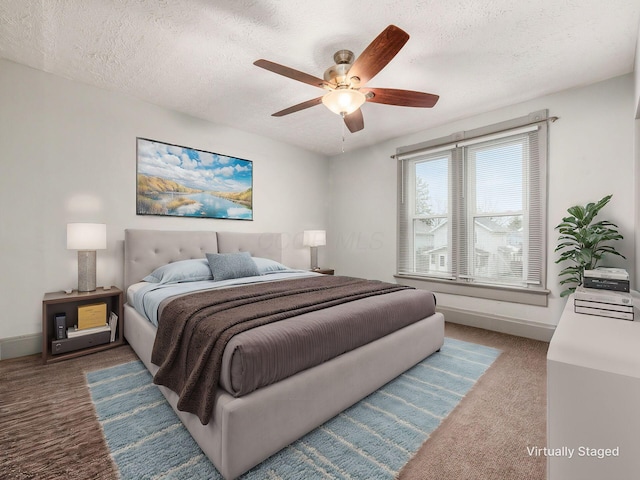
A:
[(325, 271), (67, 303)]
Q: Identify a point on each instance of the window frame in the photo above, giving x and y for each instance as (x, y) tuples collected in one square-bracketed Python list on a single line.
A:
[(530, 292)]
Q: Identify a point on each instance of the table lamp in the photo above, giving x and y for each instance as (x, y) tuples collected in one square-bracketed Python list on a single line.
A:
[(314, 239), (86, 238)]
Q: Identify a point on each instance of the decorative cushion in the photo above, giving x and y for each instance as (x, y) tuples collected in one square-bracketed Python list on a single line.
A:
[(181, 271), (232, 265)]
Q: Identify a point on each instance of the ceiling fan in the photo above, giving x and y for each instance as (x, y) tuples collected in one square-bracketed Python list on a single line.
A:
[(347, 78)]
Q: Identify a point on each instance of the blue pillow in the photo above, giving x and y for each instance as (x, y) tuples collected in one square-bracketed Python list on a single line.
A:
[(232, 265), (181, 271), (266, 265)]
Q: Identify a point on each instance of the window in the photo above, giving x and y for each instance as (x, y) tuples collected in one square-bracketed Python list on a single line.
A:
[(478, 204)]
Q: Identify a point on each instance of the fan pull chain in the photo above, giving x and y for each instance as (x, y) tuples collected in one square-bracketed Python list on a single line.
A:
[(344, 133)]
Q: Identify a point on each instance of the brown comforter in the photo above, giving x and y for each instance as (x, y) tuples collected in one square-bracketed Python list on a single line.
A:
[(194, 329)]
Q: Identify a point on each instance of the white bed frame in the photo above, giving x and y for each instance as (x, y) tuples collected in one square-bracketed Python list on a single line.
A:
[(245, 431)]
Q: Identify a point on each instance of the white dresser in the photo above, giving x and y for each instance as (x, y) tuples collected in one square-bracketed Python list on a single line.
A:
[(593, 398)]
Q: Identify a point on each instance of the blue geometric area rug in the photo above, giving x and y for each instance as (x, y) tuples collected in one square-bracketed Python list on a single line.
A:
[(374, 438)]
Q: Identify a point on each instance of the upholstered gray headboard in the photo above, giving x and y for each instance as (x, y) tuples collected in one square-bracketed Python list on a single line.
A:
[(146, 250)]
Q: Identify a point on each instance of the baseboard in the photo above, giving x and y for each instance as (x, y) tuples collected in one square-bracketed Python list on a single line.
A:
[(20, 346), (498, 323)]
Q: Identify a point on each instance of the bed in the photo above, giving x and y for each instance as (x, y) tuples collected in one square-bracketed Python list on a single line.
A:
[(245, 430)]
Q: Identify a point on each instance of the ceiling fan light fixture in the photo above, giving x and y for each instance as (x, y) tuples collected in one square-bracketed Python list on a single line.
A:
[(349, 74), (344, 101)]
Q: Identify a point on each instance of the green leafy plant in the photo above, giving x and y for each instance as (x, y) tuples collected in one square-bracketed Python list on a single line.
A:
[(583, 242)]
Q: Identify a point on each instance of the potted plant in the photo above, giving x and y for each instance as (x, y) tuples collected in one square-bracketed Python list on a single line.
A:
[(583, 242)]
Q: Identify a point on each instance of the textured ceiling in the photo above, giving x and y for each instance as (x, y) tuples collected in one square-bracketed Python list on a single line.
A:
[(196, 56)]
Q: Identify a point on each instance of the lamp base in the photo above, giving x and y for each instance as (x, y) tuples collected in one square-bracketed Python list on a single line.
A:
[(86, 270), (314, 258)]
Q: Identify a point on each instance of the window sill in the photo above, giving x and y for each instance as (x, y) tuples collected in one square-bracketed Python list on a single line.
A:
[(527, 296)]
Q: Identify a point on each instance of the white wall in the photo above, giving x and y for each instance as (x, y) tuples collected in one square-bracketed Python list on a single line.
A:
[(591, 155), (637, 77), (637, 195), (68, 154), (637, 152)]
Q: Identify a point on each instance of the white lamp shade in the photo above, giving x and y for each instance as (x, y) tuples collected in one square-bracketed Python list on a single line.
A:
[(314, 238), (344, 101), (86, 236)]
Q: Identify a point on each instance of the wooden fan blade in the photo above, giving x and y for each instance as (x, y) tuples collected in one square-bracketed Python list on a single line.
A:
[(378, 54), (354, 121), (290, 73), (298, 107), (403, 98)]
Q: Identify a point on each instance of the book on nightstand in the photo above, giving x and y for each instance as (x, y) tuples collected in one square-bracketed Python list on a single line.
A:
[(603, 312), (77, 332), (604, 306), (603, 303), (603, 296), (608, 272), (607, 278), (113, 324)]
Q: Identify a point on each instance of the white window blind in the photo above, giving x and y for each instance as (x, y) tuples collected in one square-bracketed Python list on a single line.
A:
[(474, 211)]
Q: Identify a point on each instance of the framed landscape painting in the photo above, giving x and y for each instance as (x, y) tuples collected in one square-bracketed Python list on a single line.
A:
[(184, 182)]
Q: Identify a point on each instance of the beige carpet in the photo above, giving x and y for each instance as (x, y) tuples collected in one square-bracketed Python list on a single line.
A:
[(487, 435), (48, 429)]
